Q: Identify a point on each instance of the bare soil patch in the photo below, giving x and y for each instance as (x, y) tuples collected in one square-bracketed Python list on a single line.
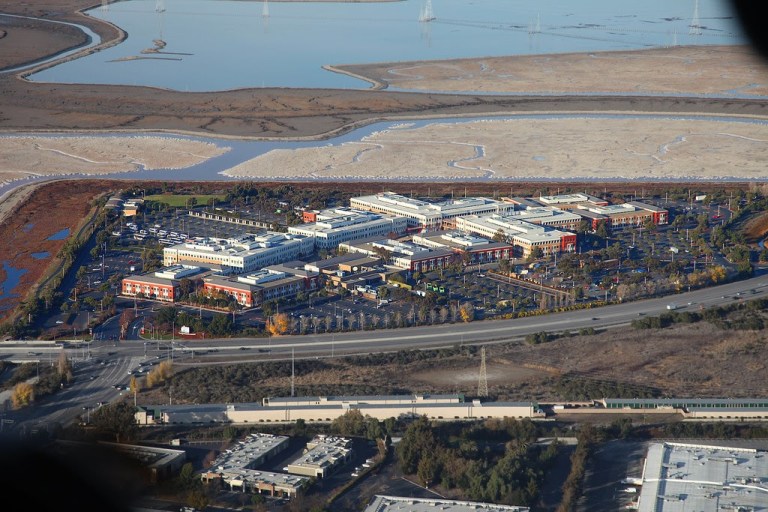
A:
[(695, 360)]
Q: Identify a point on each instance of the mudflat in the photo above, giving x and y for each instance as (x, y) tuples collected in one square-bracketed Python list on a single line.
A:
[(523, 83), (688, 81)]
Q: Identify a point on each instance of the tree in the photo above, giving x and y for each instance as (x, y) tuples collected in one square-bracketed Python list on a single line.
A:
[(23, 395), (269, 308), (64, 367), (220, 325), (602, 229), (649, 225), (115, 419), (536, 253), (126, 317), (427, 470), (584, 226), (167, 315), (186, 287), (499, 236), (279, 324), (717, 273), (351, 423), (467, 312), (417, 442)]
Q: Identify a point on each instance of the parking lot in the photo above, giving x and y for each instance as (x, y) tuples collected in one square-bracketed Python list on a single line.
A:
[(640, 255)]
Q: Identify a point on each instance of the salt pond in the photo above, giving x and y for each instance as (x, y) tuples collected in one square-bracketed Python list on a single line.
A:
[(207, 45)]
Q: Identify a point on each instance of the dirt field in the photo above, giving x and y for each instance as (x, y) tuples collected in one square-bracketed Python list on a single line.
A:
[(691, 360)]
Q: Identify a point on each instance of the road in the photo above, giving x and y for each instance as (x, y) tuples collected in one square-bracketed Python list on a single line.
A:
[(111, 363), (492, 331)]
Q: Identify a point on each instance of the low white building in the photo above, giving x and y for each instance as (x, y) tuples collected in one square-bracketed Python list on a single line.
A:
[(339, 225), (429, 215), (326, 411), (524, 236), (323, 455), (246, 253), (403, 504)]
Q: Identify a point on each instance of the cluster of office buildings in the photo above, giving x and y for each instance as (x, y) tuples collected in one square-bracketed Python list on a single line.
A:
[(240, 468), (244, 467), (410, 234)]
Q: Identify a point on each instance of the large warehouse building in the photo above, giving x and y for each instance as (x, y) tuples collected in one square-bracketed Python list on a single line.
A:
[(326, 409), (681, 477)]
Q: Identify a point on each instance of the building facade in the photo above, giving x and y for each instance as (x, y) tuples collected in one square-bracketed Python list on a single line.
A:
[(339, 225), (426, 215), (523, 236), (239, 255)]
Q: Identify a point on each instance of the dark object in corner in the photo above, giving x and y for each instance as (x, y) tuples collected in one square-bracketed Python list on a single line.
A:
[(54, 477), (750, 15)]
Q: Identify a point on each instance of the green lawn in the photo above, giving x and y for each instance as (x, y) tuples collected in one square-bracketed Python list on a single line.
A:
[(180, 201)]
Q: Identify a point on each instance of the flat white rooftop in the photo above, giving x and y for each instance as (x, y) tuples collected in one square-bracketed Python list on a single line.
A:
[(243, 454), (396, 503), (685, 477)]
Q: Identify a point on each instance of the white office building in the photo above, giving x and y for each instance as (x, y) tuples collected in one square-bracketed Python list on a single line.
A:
[(338, 225), (246, 253), (429, 215)]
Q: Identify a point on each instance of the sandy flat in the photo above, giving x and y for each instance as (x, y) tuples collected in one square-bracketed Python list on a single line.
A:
[(694, 70), (523, 148), (25, 156)]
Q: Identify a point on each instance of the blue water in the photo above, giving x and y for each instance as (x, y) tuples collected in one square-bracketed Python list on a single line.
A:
[(59, 235), (12, 280), (93, 40), (40, 255), (223, 44)]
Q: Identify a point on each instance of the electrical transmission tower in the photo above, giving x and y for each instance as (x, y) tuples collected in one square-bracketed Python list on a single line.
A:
[(695, 27), (482, 383), (293, 372)]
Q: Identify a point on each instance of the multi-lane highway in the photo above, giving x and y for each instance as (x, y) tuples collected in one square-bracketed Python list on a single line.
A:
[(492, 331), (103, 371)]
